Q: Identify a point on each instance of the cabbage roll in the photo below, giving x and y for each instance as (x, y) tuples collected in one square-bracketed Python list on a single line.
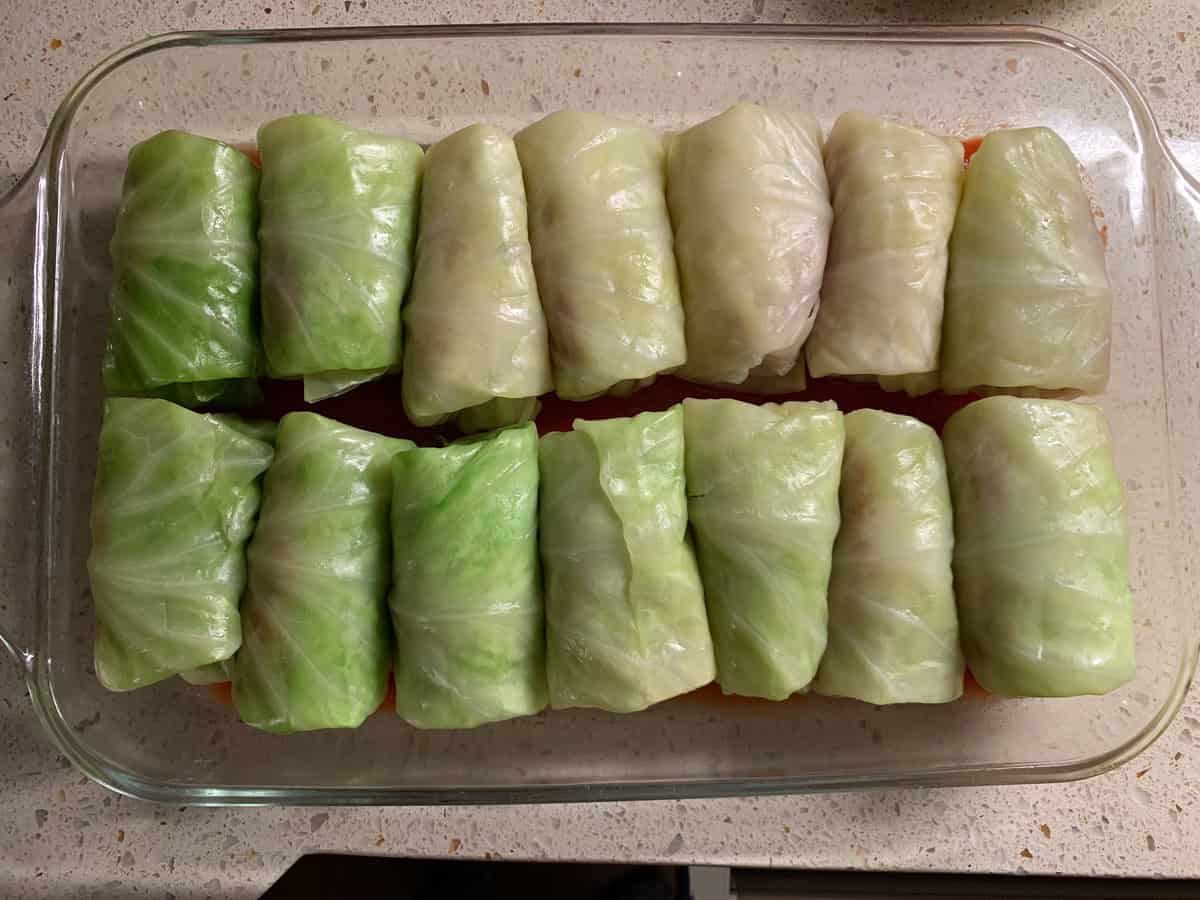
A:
[(602, 251), (893, 628), (1027, 298), (317, 643), (750, 206), (762, 485), (1041, 559), (466, 595), (625, 619), (339, 220), (175, 501), (475, 328), (185, 271), (895, 190)]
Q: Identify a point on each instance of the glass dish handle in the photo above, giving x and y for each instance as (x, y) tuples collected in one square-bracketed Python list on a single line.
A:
[(23, 224)]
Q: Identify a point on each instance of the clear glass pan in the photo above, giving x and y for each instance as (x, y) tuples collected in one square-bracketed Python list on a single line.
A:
[(172, 743)]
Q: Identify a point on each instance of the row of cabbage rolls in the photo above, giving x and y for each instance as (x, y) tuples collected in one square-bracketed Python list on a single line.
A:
[(589, 255), (774, 548)]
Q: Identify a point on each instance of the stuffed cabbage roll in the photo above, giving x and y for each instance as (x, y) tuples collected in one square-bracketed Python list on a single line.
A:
[(602, 251), (185, 270), (895, 191), (762, 485), (625, 619), (750, 206), (1027, 299), (339, 220), (175, 501), (317, 643), (893, 629), (475, 328), (1041, 558), (466, 595)]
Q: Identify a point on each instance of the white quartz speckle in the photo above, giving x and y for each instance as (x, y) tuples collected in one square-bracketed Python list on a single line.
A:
[(62, 836)]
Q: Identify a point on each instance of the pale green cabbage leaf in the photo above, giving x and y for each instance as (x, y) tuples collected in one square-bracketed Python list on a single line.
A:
[(750, 206), (602, 251), (175, 501), (762, 485), (625, 620), (1028, 302), (466, 596), (317, 642), (895, 191), (185, 272), (474, 326), (893, 627), (1041, 556), (339, 221)]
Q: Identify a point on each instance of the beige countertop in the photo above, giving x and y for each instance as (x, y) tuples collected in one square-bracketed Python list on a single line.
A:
[(61, 835)]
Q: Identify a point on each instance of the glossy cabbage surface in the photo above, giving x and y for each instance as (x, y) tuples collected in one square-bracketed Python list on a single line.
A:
[(1041, 558), (317, 643), (339, 221), (750, 207), (475, 330), (602, 251), (893, 627), (625, 620), (895, 191), (762, 485), (175, 501), (1028, 302), (185, 269), (466, 596)]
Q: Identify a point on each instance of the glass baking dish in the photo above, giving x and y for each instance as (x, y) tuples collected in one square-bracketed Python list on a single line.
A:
[(172, 742)]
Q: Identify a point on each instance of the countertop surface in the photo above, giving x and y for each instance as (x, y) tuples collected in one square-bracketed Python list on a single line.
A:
[(61, 835)]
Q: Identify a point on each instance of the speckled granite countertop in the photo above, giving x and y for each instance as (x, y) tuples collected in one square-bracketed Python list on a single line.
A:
[(62, 836)]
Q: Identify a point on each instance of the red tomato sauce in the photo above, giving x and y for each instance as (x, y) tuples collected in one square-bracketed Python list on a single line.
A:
[(973, 690), (389, 699), (970, 145), (222, 692), (251, 151), (712, 695)]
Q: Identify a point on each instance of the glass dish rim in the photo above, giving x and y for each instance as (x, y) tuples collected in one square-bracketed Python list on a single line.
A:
[(43, 178)]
